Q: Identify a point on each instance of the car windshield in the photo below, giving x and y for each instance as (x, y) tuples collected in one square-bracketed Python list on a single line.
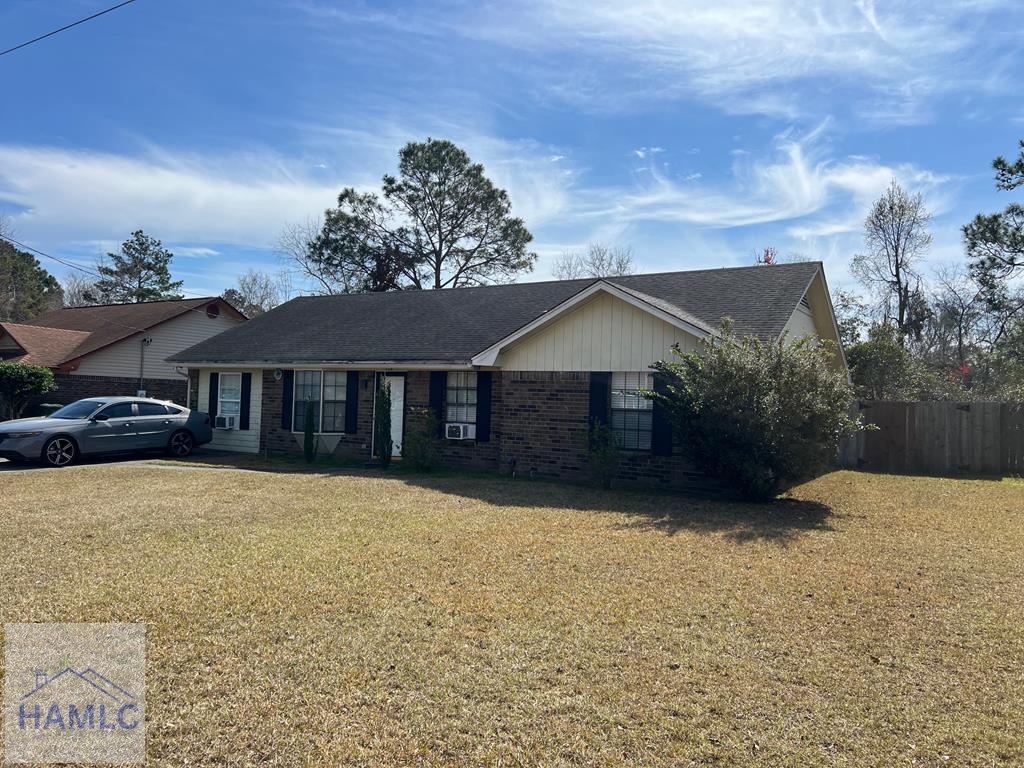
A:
[(81, 410)]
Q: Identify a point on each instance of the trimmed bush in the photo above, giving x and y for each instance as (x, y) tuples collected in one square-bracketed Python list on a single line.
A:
[(19, 382)]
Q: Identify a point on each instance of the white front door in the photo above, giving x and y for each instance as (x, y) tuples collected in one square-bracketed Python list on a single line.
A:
[(397, 384)]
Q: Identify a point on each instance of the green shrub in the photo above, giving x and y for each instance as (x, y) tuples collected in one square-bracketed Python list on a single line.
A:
[(602, 454), (20, 382), (382, 445), (758, 416), (309, 434), (422, 447)]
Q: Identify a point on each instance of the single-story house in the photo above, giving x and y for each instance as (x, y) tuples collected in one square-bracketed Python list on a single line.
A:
[(514, 373), (117, 349)]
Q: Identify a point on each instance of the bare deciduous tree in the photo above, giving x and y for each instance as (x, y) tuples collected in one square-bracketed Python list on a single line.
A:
[(79, 292), (597, 261), (297, 247), (257, 292), (896, 235)]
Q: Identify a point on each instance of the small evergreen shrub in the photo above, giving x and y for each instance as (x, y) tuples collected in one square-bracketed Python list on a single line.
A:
[(382, 445), (602, 454), (308, 435), (422, 447)]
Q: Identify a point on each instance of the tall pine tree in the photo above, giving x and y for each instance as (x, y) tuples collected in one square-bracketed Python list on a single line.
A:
[(140, 272), (995, 241)]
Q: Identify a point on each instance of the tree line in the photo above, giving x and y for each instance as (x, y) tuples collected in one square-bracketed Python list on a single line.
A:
[(954, 332)]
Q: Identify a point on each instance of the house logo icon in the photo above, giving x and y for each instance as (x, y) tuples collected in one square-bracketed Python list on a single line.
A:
[(74, 693), (77, 701)]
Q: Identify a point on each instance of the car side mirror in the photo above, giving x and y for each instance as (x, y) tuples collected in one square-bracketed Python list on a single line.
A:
[(100, 417)]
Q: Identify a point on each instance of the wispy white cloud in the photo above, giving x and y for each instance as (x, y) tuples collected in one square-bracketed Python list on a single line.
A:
[(215, 205), (748, 57)]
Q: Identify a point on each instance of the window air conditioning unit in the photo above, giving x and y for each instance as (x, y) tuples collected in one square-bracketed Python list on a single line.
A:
[(461, 431), (224, 422)]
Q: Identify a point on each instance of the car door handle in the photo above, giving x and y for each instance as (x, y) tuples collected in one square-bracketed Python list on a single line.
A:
[(166, 422)]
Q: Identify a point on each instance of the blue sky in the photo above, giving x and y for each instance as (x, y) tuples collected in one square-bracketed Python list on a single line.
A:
[(694, 132)]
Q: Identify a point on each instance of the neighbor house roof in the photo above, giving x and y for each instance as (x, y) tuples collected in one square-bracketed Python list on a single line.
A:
[(454, 325), (48, 347), (63, 335)]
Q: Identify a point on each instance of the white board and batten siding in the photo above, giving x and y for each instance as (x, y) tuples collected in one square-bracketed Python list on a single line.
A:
[(123, 358), (235, 440), (800, 324), (604, 334)]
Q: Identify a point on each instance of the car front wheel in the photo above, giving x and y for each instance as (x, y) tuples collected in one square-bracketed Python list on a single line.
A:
[(181, 444), (59, 452)]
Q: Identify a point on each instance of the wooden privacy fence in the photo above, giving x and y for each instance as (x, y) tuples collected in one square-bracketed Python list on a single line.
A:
[(938, 438)]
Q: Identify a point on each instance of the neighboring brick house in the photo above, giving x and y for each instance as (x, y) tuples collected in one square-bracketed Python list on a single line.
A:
[(514, 373), (117, 349)]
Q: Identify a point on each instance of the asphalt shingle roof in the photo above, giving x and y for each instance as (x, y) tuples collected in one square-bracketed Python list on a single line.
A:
[(48, 347), (453, 325)]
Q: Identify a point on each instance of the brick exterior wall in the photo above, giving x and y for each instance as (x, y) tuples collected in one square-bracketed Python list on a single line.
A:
[(71, 388), (538, 427)]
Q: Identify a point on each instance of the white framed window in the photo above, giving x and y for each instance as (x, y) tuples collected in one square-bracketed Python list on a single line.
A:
[(335, 384), (461, 397), (324, 393), (229, 394), (632, 413)]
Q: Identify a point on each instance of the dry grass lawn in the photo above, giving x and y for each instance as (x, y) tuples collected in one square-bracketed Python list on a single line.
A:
[(309, 619)]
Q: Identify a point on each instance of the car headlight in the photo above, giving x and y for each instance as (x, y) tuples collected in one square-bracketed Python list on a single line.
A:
[(19, 435)]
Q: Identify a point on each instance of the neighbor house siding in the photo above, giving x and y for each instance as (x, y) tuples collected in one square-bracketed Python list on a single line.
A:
[(239, 440), (123, 358), (8, 344), (605, 334)]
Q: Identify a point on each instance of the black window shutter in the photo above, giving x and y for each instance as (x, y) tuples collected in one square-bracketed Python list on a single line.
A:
[(288, 382), (661, 428), (438, 392), (600, 393), (483, 406), (214, 390), (351, 402), (243, 410)]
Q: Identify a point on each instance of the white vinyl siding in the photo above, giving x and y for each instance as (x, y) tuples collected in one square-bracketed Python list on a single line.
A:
[(800, 324), (236, 440), (604, 334), (123, 358)]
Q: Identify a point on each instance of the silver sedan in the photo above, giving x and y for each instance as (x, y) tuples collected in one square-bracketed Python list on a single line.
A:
[(104, 426)]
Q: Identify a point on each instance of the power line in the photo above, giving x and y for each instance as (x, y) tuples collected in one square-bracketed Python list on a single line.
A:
[(68, 26)]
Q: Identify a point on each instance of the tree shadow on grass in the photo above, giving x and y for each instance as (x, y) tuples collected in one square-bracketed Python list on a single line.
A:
[(781, 521)]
